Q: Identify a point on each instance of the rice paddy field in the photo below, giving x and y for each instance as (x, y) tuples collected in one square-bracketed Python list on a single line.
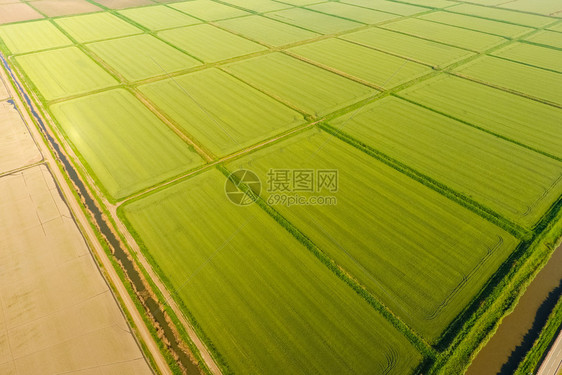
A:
[(439, 122)]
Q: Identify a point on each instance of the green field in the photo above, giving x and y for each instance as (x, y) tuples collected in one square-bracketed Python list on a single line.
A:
[(64, 72), (508, 16), (264, 300), (358, 61), (421, 50), (442, 120), (318, 22), (125, 146), (97, 26), (159, 17), (208, 10), (540, 57), (426, 266), (547, 38), (388, 6), (522, 120), (219, 111), (266, 30), (209, 43), (142, 56), (32, 37), (354, 13), (535, 82), (477, 24), (461, 157), (451, 35), (306, 87)]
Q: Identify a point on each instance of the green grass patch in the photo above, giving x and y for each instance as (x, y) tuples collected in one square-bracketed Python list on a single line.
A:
[(466, 159), (209, 43), (64, 72), (314, 21), (266, 304), (388, 6), (219, 111), (309, 88), (208, 10), (426, 266), (375, 67), (517, 18), (546, 38), (352, 12), (535, 82), (424, 51), (97, 26), (124, 145), (510, 116), (477, 24), (266, 30), (540, 57), (159, 17), (455, 36), (32, 37), (142, 56)]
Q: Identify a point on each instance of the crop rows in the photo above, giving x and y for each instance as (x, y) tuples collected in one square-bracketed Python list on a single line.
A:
[(441, 179)]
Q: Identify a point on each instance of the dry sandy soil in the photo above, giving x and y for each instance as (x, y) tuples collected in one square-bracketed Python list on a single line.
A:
[(3, 91), (16, 145), (53, 8), (57, 314), (17, 12)]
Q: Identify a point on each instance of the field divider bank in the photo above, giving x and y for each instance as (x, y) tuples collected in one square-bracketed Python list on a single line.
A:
[(455, 196), (471, 124), (216, 162)]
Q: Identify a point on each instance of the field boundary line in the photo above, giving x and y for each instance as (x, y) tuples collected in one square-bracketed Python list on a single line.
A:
[(526, 63), (506, 89), (457, 197), (216, 162), (468, 123)]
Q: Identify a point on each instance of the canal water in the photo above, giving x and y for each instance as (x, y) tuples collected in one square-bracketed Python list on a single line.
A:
[(519, 330)]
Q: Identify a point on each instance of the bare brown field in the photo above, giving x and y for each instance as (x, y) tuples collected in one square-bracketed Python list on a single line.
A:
[(122, 4), (18, 148), (57, 314), (54, 8), (17, 12)]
